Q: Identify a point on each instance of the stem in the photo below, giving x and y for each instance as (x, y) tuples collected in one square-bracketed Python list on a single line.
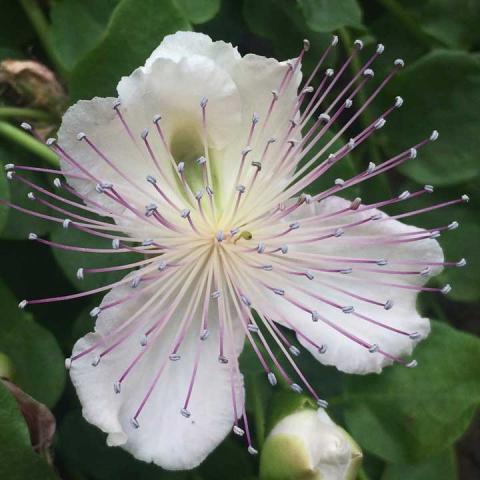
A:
[(28, 113), (259, 413), (362, 475), (42, 27), (15, 135)]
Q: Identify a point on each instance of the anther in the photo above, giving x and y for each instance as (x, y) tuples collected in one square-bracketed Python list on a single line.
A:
[(117, 387), (334, 40), (134, 423), (150, 209), (258, 165), (66, 223), (306, 198), (116, 103), (267, 268), (161, 266), (446, 289), (209, 191), (181, 167), (284, 249), (9, 166), (50, 141), (404, 195), (252, 328), (95, 311), (434, 135), (380, 123), (329, 72), (251, 450), (428, 188), (174, 357), (275, 94), (215, 294), (398, 102), (201, 160), (238, 431), (309, 275), (315, 316), (294, 226), (96, 360), (399, 63), (377, 216), (380, 48), (68, 363), (308, 89), (240, 188), (368, 73), (185, 413), (204, 335), (246, 300), (348, 103), (151, 179), (143, 340), (339, 182), (371, 168), (222, 359), (156, 118), (306, 44), (80, 273), (81, 136), (358, 43), (461, 263), (185, 213), (203, 102), (413, 153), (260, 247), (414, 336), (388, 305), (322, 349), (435, 234), (148, 242), (57, 183), (373, 348), (339, 232), (22, 304), (382, 262), (255, 118), (322, 403), (199, 195), (346, 271), (351, 144), (412, 364), (294, 350), (116, 243), (135, 282), (10, 175), (296, 388), (272, 378), (348, 309), (220, 236), (278, 291), (356, 202), (32, 236), (144, 134), (465, 198), (271, 140), (453, 225), (324, 117)]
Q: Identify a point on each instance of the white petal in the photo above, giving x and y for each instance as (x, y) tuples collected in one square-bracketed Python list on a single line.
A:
[(164, 436), (343, 352)]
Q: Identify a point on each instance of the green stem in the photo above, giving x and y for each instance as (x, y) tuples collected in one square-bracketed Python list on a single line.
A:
[(24, 113), (42, 27), (15, 135), (408, 22), (259, 414)]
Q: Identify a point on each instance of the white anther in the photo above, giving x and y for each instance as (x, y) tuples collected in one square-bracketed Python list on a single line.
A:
[(413, 153), (144, 133), (66, 223), (294, 226), (414, 336), (255, 118), (134, 423), (371, 168), (31, 196), (356, 202), (329, 72), (117, 387), (339, 182), (162, 266), (373, 348), (306, 44), (68, 363), (156, 118), (334, 40), (95, 311), (9, 166), (412, 364), (271, 140), (26, 126), (267, 268), (348, 309), (324, 117), (96, 360), (22, 304), (238, 431), (315, 315), (204, 335), (32, 236), (428, 188), (50, 141), (346, 271), (446, 289), (181, 167), (398, 102), (143, 340), (338, 232), (80, 272), (322, 403), (81, 136), (252, 328), (260, 247), (382, 262), (358, 43), (279, 291), (115, 243), (404, 195), (135, 282), (185, 213), (368, 73), (151, 179), (174, 357), (203, 102), (351, 144), (377, 216), (399, 63), (388, 305), (284, 249), (380, 48), (10, 175), (251, 450), (240, 188), (272, 378), (275, 94), (453, 225), (322, 349), (215, 294), (296, 388), (380, 123), (185, 413), (435, 234), (201, 160), (434, 135), (348, 103), (209, 191), (308, 89), (57, 183), (222, 359), (305, 197), (220, 235), (309, 275), (465, 198), (461, 263), (294, 350), (147, 242), (117, 103)]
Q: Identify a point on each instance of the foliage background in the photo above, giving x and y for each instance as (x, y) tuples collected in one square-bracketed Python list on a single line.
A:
[(414, 424)]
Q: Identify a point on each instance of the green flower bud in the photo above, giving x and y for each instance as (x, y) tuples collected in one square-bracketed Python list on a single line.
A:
[(308, 445)]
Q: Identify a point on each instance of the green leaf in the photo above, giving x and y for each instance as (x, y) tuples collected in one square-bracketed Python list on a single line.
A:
[(15, 29), (71, 261), (441, 91), (440, 467), (406, 415), (77, 27), (37, 360), (328, 15), (17, 459), (198, 11), (132, 34)]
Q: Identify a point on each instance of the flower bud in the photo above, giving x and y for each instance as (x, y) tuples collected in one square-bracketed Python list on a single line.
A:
[(308, 445)]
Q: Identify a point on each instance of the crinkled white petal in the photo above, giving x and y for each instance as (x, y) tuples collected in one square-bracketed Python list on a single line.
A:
[(164, 437)]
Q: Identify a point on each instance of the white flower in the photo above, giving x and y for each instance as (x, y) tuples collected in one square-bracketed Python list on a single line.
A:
[(318, 449), (196, 165)]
